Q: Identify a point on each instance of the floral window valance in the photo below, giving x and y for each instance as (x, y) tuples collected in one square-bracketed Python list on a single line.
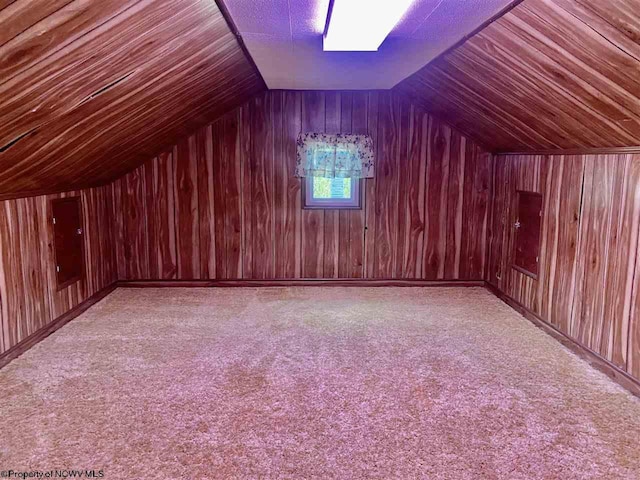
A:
[(334, 156)]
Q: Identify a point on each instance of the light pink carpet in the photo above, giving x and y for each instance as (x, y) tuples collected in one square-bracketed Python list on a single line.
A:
[(300, 383)]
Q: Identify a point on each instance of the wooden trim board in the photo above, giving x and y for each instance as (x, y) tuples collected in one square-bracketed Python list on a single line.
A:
[(575, 151), (333, 282), (594, 359), (59, 322)]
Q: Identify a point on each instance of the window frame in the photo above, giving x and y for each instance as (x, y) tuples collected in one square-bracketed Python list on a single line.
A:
[(310, 203)]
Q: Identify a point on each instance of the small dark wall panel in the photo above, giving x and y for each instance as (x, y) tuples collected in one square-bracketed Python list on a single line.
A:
[(237, 207), (529, 218), (68, 240), (29, 298), (588, 279)]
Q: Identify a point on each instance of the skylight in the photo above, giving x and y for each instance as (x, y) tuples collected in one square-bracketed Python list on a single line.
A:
[(362, 25)]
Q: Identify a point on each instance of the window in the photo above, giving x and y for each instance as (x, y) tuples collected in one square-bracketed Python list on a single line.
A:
[(331, 193), (527, 233), (69, 248)]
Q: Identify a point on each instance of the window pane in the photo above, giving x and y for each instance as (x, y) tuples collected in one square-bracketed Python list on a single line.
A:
[(338, 188)]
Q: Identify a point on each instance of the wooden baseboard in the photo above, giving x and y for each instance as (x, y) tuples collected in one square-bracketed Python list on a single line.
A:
[(337, 282), (593, 358), (59, 322)]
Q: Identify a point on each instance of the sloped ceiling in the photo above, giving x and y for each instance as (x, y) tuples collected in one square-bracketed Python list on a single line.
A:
[(90, 89), (550, 74)]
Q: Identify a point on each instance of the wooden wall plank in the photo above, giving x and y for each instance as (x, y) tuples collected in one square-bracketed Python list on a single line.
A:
[(412, 194), (354, 120), (186, 205), (331, 234), (136, 243), (232, 194), (287, 189), (206, 202), (402, 187), (386, 196), (455, 201), (262, 187), (244, 113), (313, 120), (439, 175), (474, 216), (117, 211), (160, 217), (373, 110)]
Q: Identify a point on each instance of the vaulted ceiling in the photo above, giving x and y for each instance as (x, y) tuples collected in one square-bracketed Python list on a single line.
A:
[(550, 74), (90, 89)]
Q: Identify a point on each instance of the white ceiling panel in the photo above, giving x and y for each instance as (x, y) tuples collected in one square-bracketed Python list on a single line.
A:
[(284, 37)]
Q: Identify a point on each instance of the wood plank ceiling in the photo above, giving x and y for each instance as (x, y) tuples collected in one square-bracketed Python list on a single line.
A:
[(89, 90), (550, 74)]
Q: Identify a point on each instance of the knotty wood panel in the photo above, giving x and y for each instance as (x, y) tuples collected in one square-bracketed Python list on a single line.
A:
[(313, 120), (524, 83), (160, 192), (134, 212), (185, 195), (287, 189), (29, 298), (89, 90), (261, 162), (588, 281), (243, 206)]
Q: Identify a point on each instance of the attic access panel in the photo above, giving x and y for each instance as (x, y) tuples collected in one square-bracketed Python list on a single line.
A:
[(527, 233), (68, 240)]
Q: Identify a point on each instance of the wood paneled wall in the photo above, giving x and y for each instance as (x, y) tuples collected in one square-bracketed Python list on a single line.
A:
[(29, 299), (223, 204), (588, 283)]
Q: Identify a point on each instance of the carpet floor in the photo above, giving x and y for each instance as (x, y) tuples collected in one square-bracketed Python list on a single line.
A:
[(345, 383)]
